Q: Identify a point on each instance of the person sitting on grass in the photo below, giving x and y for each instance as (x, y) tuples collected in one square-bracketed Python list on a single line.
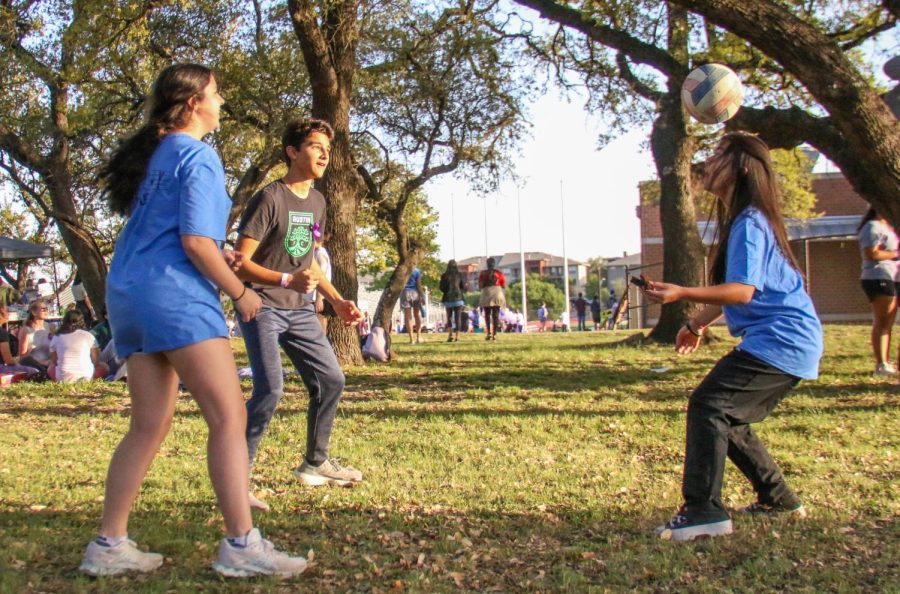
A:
[(757, 285), (34, 339), (74, 352), (9, 363)]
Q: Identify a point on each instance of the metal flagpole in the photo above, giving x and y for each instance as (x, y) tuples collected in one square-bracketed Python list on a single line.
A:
[(562, 209), (522, 272), (486, 255), (453, 224)]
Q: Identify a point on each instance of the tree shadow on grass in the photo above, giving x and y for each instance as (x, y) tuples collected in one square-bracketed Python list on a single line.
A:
[(429, 548)]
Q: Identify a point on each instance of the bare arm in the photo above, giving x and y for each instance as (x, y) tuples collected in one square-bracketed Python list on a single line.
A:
[(706, 316), (302, 282), (7, 355), (205, 255), (346, 310), (724, 294), (24, 341), (877, 254)]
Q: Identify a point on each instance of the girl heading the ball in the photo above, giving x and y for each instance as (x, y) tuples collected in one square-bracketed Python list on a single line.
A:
[(756, 284)]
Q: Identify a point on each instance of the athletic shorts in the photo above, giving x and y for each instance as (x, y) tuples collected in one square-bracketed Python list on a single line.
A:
[(878, 287), (408, 298)]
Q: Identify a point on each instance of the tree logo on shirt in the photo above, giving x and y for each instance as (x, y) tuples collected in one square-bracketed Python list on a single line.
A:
[(299, 238)]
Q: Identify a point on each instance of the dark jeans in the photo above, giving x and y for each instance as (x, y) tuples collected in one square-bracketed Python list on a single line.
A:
[(491, 319), (581, 322), (453, 318), (299, 333), (738, 391)]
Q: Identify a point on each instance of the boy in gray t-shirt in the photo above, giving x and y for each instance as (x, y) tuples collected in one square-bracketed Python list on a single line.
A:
[(277, 239)]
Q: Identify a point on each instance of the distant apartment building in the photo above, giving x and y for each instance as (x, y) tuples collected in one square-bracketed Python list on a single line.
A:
[(826, 248), (547, 266)]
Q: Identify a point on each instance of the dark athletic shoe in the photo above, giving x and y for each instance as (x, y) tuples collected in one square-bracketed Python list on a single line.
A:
[(682, 528), (768, 510)]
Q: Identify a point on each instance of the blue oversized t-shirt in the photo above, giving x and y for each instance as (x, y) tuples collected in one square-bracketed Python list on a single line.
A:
[(156, 297), (413, 279), (779, 325)]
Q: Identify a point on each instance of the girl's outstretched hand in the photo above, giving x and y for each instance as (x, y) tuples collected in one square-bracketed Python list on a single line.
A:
[(663, 292)]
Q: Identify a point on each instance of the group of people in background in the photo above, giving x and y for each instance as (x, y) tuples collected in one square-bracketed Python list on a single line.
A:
[(37, 351)]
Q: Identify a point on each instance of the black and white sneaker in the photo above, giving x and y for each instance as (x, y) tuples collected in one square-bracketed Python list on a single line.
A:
[(683, 528)]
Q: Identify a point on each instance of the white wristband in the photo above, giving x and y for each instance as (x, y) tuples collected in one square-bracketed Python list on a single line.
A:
[(285, 279)]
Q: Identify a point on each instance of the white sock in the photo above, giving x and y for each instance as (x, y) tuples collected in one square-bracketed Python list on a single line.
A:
[(110, 541)]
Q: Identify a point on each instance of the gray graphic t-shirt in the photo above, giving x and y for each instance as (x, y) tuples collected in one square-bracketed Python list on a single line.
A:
[(876, 234), (283, 224)]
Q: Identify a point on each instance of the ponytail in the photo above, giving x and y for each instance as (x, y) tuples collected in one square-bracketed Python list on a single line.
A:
[(870, 215), (168, 109)]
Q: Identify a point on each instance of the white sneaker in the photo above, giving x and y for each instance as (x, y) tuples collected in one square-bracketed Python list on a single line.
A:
[(125, 556), (681, 528), (259, 557), (885, 369), (329, 472), (256, 503)]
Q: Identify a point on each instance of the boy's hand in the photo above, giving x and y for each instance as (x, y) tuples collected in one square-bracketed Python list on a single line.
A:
[(304, 282), (347, 311)]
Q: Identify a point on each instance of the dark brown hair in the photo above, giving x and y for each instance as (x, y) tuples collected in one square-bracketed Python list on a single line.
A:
[(296, 131), (167, 110), (749, 164), (72, 321), (870, 215)]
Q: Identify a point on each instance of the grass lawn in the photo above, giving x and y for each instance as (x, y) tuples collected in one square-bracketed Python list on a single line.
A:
[(536, 463)]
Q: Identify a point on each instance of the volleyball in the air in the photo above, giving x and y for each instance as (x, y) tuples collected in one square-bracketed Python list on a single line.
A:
[(712, 93)]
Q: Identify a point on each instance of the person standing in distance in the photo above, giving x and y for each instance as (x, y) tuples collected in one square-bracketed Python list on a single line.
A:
[(411, 304), (756, 284), (276, 239), (163, 299), (880, 249)]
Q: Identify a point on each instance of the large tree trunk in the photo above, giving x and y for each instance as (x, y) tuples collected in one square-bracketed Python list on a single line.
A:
[(82, 248), (865, 122), (328, 43), (407, 259), (342, 190), (673, 151), (84, 251), (391, 294)]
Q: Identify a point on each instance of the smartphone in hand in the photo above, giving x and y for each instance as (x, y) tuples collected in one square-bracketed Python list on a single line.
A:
[(640, 283)]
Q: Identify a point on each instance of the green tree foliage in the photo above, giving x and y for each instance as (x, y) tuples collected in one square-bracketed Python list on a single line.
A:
[(632, 59), (537, 291), (441, 96)]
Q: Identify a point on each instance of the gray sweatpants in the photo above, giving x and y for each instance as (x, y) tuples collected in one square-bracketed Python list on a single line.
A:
[(299, 333)]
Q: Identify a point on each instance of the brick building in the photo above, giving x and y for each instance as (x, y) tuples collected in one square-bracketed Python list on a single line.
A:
[(825, 246), (546, 266)]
